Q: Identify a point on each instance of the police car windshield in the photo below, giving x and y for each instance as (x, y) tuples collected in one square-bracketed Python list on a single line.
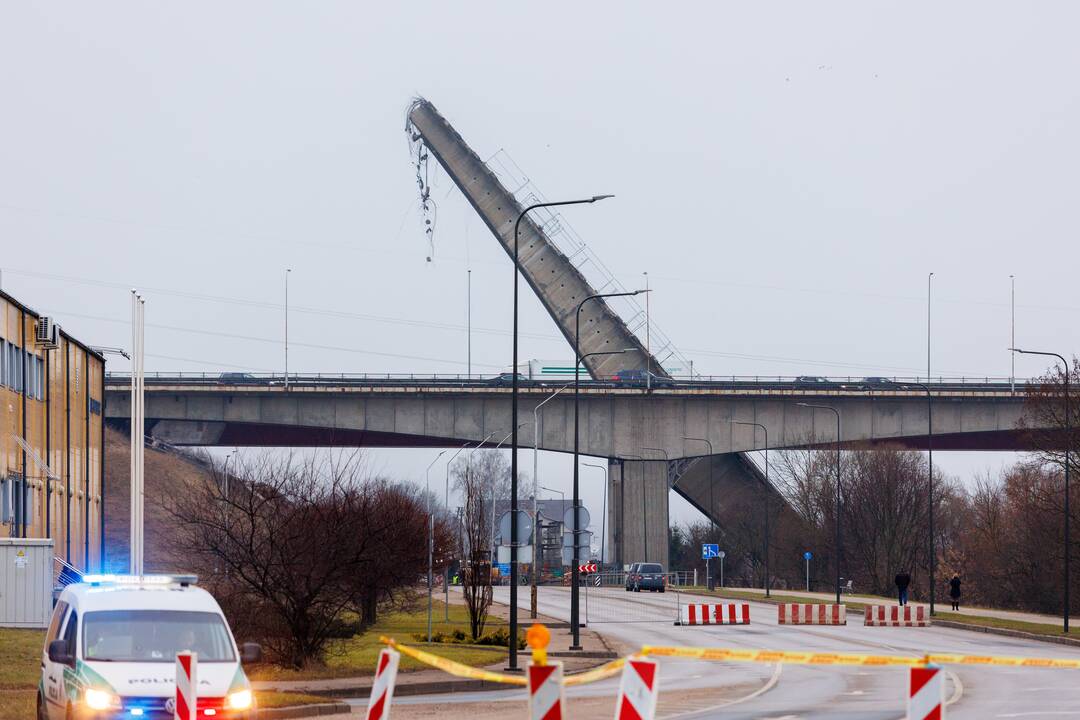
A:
[(155, 636)]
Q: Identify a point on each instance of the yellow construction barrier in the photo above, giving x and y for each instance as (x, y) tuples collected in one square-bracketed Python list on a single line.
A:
[(814, 658), (737, 655), (465, 671)]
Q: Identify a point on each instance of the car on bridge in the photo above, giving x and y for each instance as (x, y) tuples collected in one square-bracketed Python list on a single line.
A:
[(809, 381), (506, 379), (641, 378)]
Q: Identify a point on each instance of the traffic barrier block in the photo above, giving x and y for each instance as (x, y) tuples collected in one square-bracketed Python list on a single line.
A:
[(382, 690), (896, 616), (638, 690), (926, 693), (187, 684), (546, 691), (811, 614), (715, 614)]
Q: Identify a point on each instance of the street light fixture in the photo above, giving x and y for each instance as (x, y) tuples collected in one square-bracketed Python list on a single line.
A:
[(603, 511), (930, 480), (1068, 442), (768, 497), (837, 541), (431, 538), (536, 481), (514, 441)]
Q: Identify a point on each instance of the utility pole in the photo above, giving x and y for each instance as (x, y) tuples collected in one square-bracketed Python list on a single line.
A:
[(287, 271)]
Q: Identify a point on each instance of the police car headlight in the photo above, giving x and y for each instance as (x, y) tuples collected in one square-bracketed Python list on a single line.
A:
[(240, 700), (100, 699)]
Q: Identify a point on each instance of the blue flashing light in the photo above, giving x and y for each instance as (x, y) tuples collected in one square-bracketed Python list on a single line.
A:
[(136, 711), (116, 579)]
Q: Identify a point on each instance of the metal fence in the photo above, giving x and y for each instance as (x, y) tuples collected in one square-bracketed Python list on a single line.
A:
[(609, 600)]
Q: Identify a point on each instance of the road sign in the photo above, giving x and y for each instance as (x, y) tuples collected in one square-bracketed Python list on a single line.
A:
[(808, 555), (503, 568), (721, 554), (568, 518), (709, 550), (587, 568)]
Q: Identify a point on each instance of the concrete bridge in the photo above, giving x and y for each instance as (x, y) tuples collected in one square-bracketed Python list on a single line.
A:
[(640, 433)]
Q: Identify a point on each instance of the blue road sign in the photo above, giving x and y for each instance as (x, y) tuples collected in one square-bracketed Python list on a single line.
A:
[(709, 551), (503, 568), (808, 555)]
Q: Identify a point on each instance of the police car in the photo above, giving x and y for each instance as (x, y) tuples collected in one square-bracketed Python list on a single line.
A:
[(110, 651)]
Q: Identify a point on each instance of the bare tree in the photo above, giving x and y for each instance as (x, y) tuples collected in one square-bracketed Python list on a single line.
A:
[(296, 546), (474, 546)]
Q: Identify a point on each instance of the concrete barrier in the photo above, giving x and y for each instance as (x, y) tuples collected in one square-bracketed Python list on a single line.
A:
[(896, 616), (714, 614), (811, 614)]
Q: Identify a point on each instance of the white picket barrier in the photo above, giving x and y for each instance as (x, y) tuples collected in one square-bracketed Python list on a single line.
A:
[(926, 694), (638, 690), (546, 700), (187, 684), (382, 690)]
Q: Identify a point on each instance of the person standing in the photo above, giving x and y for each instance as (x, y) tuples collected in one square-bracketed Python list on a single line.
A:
[(902, 580), (954, 591)]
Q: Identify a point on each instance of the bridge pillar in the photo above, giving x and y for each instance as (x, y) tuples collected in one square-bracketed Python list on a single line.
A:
[(706, 482), (638, 519)]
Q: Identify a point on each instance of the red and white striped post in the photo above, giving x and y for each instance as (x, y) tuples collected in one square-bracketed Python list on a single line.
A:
[(638, 690), (926, 693), (382, 690), (546, 692), (187, 684)]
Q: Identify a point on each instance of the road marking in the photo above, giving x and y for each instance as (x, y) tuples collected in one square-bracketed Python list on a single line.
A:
[(778, 668), (1041, 712)]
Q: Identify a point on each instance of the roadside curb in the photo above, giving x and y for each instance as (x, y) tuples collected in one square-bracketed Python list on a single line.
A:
[(1007, 632), (303, 711)]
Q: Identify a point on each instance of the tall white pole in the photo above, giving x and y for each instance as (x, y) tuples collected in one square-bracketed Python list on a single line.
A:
[(142, 434), (468, 321), (928, 279), (1012, 333), (133, 509), (287, 271), (648, 343)]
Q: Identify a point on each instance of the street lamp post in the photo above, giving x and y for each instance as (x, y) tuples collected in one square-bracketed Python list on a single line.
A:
[(768, 497), (603, 512), (837, 540), (536, 485), (575, 601), (1068, 442), (431, 538), (494, 553), (930, 483), (446, 501), (712, 497), (514, 441), (287, 271)]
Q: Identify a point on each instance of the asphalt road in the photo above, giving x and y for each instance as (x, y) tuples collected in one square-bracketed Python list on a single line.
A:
[(792, 692)]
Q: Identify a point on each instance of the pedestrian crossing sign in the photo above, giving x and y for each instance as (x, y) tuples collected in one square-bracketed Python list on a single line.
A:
[(709, 551)]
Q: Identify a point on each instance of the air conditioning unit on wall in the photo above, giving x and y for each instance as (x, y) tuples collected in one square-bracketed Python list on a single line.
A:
[(47, 333)]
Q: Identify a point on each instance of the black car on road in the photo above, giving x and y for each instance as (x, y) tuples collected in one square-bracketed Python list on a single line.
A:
[(646, 576)]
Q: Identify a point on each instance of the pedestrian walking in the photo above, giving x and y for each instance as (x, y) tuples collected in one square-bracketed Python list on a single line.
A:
[(903, 579), (954, 591)]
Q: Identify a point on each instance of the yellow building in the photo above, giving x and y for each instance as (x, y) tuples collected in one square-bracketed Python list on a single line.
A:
[(51, 472)]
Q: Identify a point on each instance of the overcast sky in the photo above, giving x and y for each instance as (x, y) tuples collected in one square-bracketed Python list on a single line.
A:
[(787, 173)]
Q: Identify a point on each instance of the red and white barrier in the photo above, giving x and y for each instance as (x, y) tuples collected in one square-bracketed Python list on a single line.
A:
[(811, 614), (187, 683), (382, 690), (926, 694), (638, 690), (715, 614), (896, 616), (546, 692)]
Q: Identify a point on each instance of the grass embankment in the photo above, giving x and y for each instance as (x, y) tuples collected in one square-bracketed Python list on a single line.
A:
[(859, 602), (20, 669), (356, 657)]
